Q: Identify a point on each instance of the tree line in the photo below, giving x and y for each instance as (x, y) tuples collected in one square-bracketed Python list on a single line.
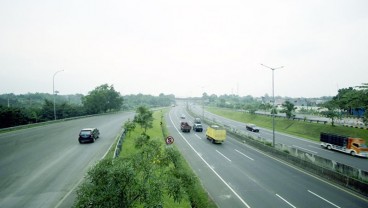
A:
[(39, 107), (352, 101), (349, 102)]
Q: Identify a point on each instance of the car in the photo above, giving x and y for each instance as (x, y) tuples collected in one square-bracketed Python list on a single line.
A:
[(197, 121), (197, 127), (88, 135), (182, 116), (252, 128)]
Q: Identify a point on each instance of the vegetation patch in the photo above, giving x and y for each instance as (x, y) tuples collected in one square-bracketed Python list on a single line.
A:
[(148, 173)]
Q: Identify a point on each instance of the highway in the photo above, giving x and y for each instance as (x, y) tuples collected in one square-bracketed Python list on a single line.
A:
[(42, 166), (296, 142), (236, 175)]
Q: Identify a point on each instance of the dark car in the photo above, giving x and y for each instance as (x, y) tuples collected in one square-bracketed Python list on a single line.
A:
[(252, 127), (197, 127), (88, 135)]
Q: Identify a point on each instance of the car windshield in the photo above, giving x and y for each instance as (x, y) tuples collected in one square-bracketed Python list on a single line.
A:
[(363, 145), (85, 132)]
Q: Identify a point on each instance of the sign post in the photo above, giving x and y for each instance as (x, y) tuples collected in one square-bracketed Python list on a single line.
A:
[(169, 140)]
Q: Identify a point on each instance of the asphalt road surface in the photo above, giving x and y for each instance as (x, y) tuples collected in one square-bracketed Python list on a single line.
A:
[(41, 166), (296, 142), (236, 175)]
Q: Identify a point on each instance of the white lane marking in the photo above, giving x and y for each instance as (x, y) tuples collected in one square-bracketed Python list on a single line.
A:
[(321, 148), (213, 170), (286, 201), (305, 149), (198, 136), (302, 171), (315, 147), (244, 154), (323, 199), (223, 155)]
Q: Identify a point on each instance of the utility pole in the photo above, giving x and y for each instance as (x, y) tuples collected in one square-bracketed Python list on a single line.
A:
[(273, 102), (53, 91)]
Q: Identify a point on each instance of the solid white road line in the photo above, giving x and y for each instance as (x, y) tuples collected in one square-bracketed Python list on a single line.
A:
[(208, 165), (305, 149)]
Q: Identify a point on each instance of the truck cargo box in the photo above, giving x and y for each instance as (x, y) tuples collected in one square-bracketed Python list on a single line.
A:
[(334, 139), (216, 134)]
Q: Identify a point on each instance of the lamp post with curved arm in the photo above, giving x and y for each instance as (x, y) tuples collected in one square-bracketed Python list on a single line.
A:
[(273, 102), (53, 90)]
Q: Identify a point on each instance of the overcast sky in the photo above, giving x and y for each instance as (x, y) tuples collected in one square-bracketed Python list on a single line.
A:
[(184, 47)]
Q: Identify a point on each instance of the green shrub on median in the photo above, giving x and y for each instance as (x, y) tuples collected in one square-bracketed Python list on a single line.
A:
[(147, 174)]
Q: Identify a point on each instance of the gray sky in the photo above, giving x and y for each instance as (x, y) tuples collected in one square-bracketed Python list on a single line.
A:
[(184, 47)]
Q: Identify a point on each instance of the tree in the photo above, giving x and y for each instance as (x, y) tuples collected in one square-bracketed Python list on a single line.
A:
[(331, 111), (129, 126), (251, 108), (12, 116), (288, 109), (47, 112), (102, 99), (143, 117)]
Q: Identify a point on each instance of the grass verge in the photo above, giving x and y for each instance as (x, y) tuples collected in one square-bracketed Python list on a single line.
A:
[(196, 195), (298, 128)]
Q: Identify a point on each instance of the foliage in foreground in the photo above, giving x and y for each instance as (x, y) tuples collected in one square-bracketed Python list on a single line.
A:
[(141, 179), (151, 175)]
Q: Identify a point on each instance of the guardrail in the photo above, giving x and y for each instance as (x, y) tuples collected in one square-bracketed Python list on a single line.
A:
[(119, 144)]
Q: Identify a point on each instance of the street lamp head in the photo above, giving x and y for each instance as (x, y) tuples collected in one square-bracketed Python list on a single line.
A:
[(272, 68)]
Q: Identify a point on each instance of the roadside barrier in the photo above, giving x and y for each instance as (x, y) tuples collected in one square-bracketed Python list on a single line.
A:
[(119, 144)]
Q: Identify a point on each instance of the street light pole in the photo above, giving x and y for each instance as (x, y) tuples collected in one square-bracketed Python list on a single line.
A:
[(273, 102), (53, 90)]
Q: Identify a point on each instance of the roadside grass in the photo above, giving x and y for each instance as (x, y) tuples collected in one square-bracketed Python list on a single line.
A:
[(159, 132), (303, 129)]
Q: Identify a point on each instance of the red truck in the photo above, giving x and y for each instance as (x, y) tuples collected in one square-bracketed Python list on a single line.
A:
[(185, 127)]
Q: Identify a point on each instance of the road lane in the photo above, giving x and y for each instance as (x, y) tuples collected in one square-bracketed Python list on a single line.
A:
[(261, 181), (290, 140), (40, 165)]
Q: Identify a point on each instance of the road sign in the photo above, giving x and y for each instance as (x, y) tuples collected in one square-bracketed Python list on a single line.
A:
[(169, 140)]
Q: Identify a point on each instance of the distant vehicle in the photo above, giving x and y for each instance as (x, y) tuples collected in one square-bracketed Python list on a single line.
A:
[(182, 116), (88, 135), (252, 128), (197, 121), (185, 127), (197, 127), (353, 146), (216, 134)]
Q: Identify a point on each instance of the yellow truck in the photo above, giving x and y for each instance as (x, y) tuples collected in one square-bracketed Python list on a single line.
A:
[(216, 134)]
